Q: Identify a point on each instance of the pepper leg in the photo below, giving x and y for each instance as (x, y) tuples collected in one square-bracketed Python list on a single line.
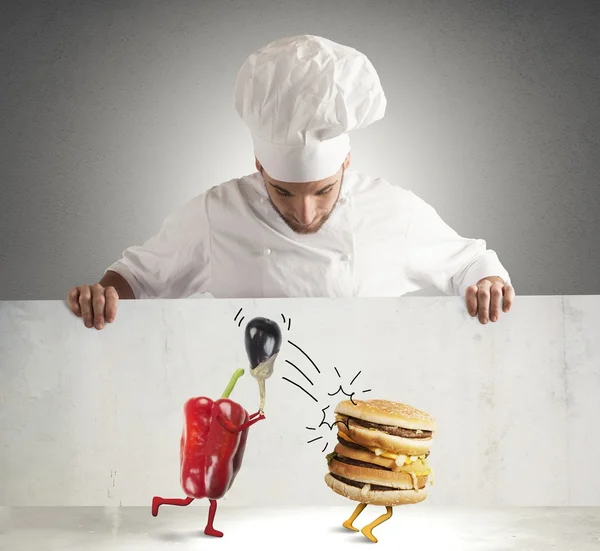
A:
[(359, 509), (368, 529), (158, 501), (209, 530)]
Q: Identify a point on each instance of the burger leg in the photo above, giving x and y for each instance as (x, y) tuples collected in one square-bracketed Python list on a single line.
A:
[(368, 529), (359, 509)]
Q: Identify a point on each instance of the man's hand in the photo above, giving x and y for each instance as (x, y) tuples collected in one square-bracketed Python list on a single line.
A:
[(488, 297), (97, 304), (94, 303)]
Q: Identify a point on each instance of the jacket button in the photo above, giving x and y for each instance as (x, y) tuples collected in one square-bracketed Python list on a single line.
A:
[(345, 257), (267, 252)]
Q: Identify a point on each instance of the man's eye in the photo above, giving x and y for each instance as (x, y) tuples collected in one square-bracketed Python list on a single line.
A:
[(325, 192), (283, 193)]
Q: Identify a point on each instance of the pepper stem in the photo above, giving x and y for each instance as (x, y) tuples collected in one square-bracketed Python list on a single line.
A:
[(234, 379)]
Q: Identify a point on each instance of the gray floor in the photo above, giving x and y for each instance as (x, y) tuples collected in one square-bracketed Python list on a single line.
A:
[(412, 528)]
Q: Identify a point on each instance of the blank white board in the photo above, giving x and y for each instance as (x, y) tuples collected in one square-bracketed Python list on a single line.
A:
[(94, 418)]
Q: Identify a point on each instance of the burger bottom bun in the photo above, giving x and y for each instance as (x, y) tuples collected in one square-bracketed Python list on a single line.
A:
[(388, 498)]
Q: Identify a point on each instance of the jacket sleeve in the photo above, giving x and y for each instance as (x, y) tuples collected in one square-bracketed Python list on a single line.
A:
[(436, 255), (175, 263)]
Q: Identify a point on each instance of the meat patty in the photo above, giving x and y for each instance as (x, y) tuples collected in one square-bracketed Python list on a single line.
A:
[(394, 431), (356, 463), (361, 484), (352, 445)]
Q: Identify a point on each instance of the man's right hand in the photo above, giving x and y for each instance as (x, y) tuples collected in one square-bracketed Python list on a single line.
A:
[(96, 304)]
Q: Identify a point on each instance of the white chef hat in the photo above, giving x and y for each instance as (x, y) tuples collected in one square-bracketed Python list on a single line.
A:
[(300, 96)]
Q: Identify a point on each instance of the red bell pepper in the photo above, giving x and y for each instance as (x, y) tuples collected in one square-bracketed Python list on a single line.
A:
[(212, 447)]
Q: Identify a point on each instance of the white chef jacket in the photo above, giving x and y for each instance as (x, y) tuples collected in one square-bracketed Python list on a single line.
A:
[(380, 241)]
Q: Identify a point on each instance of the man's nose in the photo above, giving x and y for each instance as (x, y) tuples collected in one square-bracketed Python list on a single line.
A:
[(305, 212)]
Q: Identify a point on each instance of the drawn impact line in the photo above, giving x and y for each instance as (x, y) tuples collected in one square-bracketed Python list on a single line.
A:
[(338, 373), (289, 324), (300, 371), (306, 355), (241, 320), (355, 377), (343, 392), (236, 316), (314, 439), (302, 389), (331, 425)]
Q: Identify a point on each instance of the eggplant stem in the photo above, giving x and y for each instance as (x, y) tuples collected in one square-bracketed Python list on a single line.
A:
[(262, 391), (233, 380)]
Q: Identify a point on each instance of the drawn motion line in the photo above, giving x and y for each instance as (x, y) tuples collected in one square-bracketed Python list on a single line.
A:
[(300, 371), (302, 389), (306, 355), (289, 322)]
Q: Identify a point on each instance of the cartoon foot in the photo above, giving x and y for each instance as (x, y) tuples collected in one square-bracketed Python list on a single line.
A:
[(367, 531), (156, 503), (349, 523), (210, 531)]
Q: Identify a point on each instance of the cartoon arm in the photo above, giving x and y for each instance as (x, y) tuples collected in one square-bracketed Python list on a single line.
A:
[(229, 426)]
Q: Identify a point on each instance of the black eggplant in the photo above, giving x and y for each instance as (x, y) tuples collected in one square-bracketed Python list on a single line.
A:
[(263, 343), (263, 340)]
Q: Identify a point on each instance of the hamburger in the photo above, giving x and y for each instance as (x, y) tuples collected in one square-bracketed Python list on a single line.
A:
[(382, 452)]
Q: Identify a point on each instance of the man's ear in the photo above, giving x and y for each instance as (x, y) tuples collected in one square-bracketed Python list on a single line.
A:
[(347, 161)]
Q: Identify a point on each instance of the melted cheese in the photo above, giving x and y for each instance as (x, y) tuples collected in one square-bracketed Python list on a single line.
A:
[(344, 436), (365, 489), (414, 481)]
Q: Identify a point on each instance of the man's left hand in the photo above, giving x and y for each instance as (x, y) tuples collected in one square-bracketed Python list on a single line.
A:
[(488, 297)]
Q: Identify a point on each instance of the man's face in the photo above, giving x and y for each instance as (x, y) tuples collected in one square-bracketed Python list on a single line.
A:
[(304, 207)]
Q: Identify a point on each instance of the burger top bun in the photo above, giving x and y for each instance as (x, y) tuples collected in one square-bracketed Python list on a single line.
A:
[(384, 412)]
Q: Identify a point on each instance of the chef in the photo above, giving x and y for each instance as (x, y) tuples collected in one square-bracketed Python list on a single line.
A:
[(305, 224)]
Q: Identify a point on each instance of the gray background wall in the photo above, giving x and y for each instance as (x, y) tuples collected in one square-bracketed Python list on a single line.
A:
[(114, 113)]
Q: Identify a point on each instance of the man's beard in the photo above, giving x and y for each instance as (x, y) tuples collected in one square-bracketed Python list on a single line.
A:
[(305, 231), (301, 231)]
